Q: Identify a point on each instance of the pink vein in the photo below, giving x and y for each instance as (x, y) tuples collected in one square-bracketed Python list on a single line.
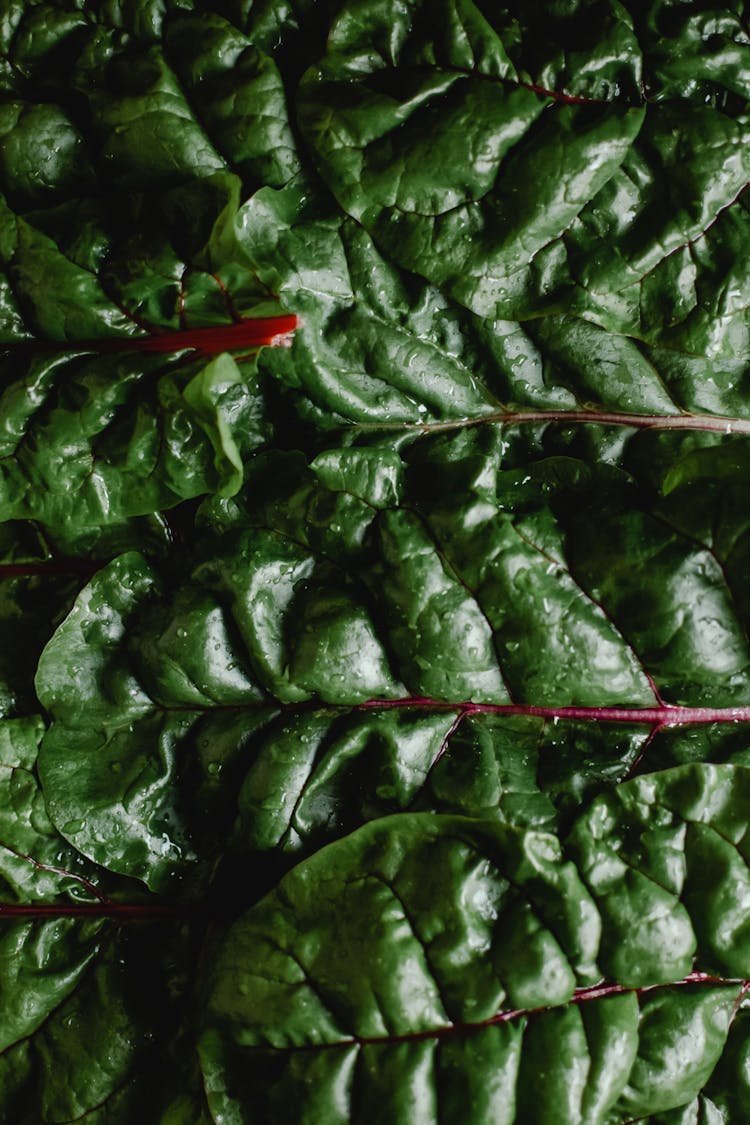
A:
[(90, 887), (580, 996), (665, 715), (714, 423)]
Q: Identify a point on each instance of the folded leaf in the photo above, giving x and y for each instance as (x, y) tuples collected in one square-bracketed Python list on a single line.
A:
[(39, 579), (379, 349), (91, 440)]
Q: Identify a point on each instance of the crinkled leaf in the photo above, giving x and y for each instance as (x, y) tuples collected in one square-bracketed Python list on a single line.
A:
[(341, 983), (599, 1061), (325, 591), (84, 1005), (435, 594), (75, 272), (91, 439), (39, 579), (378, 347), (545, 204)]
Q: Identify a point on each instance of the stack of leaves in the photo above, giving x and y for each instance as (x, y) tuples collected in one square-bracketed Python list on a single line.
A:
[(374, 540)]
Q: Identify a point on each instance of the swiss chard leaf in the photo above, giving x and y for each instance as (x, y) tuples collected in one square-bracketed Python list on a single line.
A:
[(546, 204), (379, 348), (343, 982), (93, 439), (78, 1039), (119, 274), (574, 1061), (339, 588), (39, 579), (436, 709)]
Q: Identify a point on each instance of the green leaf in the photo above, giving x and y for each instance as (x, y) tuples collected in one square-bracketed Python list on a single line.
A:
[(39, 579), (238, 94), (83, 1001), (341, 986), (477, 595), (544, 203), (678, 875), (379, 349), (424, 709), (93, 439), (728, 1089)]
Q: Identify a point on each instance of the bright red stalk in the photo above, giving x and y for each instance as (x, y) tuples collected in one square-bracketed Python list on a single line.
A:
[(253, 332), (247, 333)]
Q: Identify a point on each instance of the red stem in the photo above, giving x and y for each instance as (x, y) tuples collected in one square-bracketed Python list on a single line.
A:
[(600, 991), (251, 332), (665, 715)]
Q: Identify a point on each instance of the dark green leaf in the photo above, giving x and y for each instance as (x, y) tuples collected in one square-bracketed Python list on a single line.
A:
[(338, 991)]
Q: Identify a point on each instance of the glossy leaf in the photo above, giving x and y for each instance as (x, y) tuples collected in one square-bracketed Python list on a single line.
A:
[(424, 709), (77, 1039), (39, 579), (599, 1061), (549, 199), (92, 439), (338, 989), (378, 348), (325, 592), (83, 263)]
